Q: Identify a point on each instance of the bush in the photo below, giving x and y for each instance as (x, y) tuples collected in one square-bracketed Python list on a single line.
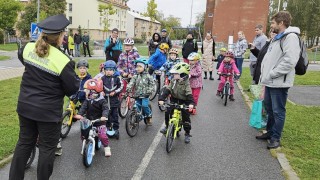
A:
[(1, 37)]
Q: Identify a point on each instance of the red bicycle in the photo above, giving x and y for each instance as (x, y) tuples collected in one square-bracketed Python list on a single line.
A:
[(126, 103)]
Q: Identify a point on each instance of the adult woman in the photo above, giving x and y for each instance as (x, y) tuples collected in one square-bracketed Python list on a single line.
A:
[(49, 76), (154, 43), (240, 49), (208, 55)]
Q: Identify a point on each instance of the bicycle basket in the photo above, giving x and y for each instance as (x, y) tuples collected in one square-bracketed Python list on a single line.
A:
[(85, 126)]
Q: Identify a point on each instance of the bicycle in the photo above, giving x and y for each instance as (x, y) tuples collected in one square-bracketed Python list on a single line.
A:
[(133, 119), (156, 85), (175, 124), (124, 102), (90, 142), (226, 88)]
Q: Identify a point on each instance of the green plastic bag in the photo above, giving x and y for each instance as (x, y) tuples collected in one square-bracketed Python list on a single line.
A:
[(258, 117)]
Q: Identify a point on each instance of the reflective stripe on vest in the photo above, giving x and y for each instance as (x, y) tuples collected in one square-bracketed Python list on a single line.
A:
[(54, 63)]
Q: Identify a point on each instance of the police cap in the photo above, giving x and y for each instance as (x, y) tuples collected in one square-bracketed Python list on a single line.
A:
[(54, 24)]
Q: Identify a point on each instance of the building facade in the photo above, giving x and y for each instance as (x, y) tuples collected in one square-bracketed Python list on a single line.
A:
[(225, 18)]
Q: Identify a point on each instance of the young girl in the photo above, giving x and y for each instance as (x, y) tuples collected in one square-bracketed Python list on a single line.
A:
[(195, 77), (228, 65), (126, 59), (172, 60)]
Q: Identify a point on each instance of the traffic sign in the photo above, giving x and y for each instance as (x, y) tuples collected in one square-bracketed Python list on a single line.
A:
[(35, 31)]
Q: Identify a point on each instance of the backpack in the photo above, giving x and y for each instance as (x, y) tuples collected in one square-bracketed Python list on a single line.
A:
[(303, 62)]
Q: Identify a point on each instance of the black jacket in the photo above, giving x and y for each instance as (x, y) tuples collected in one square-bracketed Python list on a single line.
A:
[(260, 55), (95, 109), (112, 84), (152, 46), (77, 39), (188, 47), (41, 92), (166, 40)]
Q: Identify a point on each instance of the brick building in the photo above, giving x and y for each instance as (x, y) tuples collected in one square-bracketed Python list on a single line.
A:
[(227, 17)]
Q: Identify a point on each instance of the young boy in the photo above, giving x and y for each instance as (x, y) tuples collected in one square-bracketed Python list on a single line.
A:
[(83, 67), (143, 84), (126, 59), (112, 86), (172, 60), (220, 59), (96, 107), (181, 93)]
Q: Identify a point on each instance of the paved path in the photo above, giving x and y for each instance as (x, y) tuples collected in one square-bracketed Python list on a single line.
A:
[(223, 146), (305, 95)]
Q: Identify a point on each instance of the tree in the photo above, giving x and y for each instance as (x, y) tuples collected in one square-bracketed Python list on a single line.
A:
[(105, 10), (200, 22), (8, 14), (152, 13)]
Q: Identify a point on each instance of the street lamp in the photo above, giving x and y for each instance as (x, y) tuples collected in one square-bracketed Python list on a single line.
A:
[(285, 5)]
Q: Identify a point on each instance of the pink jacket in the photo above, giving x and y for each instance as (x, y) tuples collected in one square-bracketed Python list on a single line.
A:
[(196, 76), (229, 67)]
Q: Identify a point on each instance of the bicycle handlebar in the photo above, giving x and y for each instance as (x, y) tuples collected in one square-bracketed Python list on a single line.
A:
[(177, 106)]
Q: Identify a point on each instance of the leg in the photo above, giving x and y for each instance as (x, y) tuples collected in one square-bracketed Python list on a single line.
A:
[(221, 84), (252, 69), (115, 118), (49, 134), (196, 94), (88, 50), (103, 136), (27, 140), (158, 77), (211, 78), (145, 107), (239, 62), (268, 106), (186, 121), (231, 86), (84, 50), (205, 75)]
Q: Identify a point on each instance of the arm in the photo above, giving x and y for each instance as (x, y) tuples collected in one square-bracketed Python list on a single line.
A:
[(70, 83), (108, 45), (121, 64), (150, 85), (20, 54), (255, 51), (119, 86), (131, 84), (196, 72), (154, 57), (105, 108), (83, 109)]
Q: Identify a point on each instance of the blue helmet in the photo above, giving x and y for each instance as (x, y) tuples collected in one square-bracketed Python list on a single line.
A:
[(110, 64), (141, 60)]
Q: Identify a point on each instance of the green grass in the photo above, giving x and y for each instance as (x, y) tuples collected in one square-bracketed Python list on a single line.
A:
[(142, 49), (312, 57), (2, 58), (8, 47), (300, 140)]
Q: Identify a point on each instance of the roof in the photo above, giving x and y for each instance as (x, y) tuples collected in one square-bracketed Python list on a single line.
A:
[(139, 16)]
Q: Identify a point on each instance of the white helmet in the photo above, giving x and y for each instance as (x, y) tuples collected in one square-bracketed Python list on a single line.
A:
[(128, 41)]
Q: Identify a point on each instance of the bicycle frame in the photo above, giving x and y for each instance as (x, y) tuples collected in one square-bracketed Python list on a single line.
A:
[(72, 108), (92, 134), (176, 119)]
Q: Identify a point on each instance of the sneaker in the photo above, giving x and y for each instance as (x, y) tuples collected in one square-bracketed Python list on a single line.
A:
[(218, 93), (107, 151), (273, 144), (149, 121), (265, 136), (164, 130), (117, 134), (231, 97), (58, 152), (211, 78), (187, 138)]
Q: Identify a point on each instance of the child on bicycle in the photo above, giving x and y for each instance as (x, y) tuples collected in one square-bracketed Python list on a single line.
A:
[(125, 64), (228, 66), (172, 60), (112, 86), (96, 107), (195, 77), (181, 93), (220, 59), (142, 85), (83, 67)]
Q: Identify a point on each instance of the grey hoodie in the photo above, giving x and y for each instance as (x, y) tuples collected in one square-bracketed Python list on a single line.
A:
[(278, 67)]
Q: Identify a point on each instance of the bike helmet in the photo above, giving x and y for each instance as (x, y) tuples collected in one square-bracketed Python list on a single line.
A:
[(110, 64), (141, 60), (181, 68), (173, 51), (163, 46), (194, 56), (229, 54), (83, 62), (223, 49), (94, 84), (128, 41)]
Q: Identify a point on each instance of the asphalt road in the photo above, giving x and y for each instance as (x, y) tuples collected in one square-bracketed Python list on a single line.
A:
[(223, 146)]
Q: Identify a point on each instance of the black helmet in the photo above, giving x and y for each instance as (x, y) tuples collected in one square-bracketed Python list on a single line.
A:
[(83, 62)]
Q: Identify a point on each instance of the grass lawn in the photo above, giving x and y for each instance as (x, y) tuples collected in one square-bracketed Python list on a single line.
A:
[(300, 140), (9, 125), (312, 56), (142, 49), (8, 47), (2, 58)]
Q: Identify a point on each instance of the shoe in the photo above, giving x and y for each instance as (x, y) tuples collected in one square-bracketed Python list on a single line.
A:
[(265, 136), (205, 77), (59, 144), (211, 78), (219, 79), (273, 144), (187, 138), (117, 134), (164, 130), (58, 152), (90, 56), (149, 121), (107, 151), (194, 111), (231, 97), (218, 93)]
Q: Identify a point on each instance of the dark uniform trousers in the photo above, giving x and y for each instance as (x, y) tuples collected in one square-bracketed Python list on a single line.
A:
[(49, 134), (185, 118)]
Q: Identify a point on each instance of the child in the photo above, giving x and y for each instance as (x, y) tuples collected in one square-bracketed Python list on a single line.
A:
[(181, 93), (173, 60), (143, 84), (112, 86), (83, 67), (96, 107), (227, 66), (101, 71), (125, 64), (195, 77), (71, 45), (220, 59)]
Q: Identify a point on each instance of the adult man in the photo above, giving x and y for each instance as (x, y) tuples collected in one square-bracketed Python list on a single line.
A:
[(113, 46), (258, 42), (86, 40), (277, 74), (165, 38), (77, 41)]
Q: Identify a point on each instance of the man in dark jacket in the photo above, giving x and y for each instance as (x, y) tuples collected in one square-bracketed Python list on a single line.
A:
[(189, 46), (86, 40), (165, 38), (154, 43), (77, 40)]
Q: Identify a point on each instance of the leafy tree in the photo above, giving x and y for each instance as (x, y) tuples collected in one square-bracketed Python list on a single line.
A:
[(105, 10), (200, 22), (152, 13)]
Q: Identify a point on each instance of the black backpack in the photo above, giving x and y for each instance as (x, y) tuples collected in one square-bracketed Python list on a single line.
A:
[(303, 62)]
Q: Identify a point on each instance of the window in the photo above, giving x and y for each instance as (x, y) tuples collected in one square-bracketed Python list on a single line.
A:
[(70, 19), (70, 7)]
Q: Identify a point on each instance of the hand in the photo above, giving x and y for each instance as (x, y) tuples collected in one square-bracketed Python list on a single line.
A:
[(161, 103), (238, 74), (191, 107), (103, 119), (78, 116), (219, 73), (103, 94), (112, 93), (114, 40)]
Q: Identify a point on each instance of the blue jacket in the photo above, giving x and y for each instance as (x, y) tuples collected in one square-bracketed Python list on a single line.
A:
[(112, 50), (157, 59), (82, 94)]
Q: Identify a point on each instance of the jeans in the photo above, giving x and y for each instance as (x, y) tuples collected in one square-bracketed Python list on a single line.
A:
[(77, 50), (143, 103), (49, 134), (275, 103), (239, 62)]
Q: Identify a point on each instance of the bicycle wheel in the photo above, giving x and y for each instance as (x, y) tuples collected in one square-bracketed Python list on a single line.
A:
[(123, 110), (132, 124), (155, 91), (31, 158), (87, 154), (98, 143), (170, 137), (226, 92), (65, 128)]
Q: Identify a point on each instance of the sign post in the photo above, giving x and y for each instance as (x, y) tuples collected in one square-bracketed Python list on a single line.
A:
[(35, 31)]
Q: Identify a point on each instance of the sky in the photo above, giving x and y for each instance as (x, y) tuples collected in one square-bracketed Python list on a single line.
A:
[(177, 8)]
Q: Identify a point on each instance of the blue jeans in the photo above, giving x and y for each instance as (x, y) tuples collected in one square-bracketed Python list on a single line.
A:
[(275, 103), (239, 62), (144, 102), (77, 50)]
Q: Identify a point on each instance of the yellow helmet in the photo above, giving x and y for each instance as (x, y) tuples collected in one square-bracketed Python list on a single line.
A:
[(164, 46), (223, 49)]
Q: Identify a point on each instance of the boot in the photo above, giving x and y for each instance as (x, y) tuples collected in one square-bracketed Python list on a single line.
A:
[(205, 75), (218, 93), (107, 151), (187, 138), (211, 78), (231, 97), (164, 130), (219, 78), (149, 121)]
